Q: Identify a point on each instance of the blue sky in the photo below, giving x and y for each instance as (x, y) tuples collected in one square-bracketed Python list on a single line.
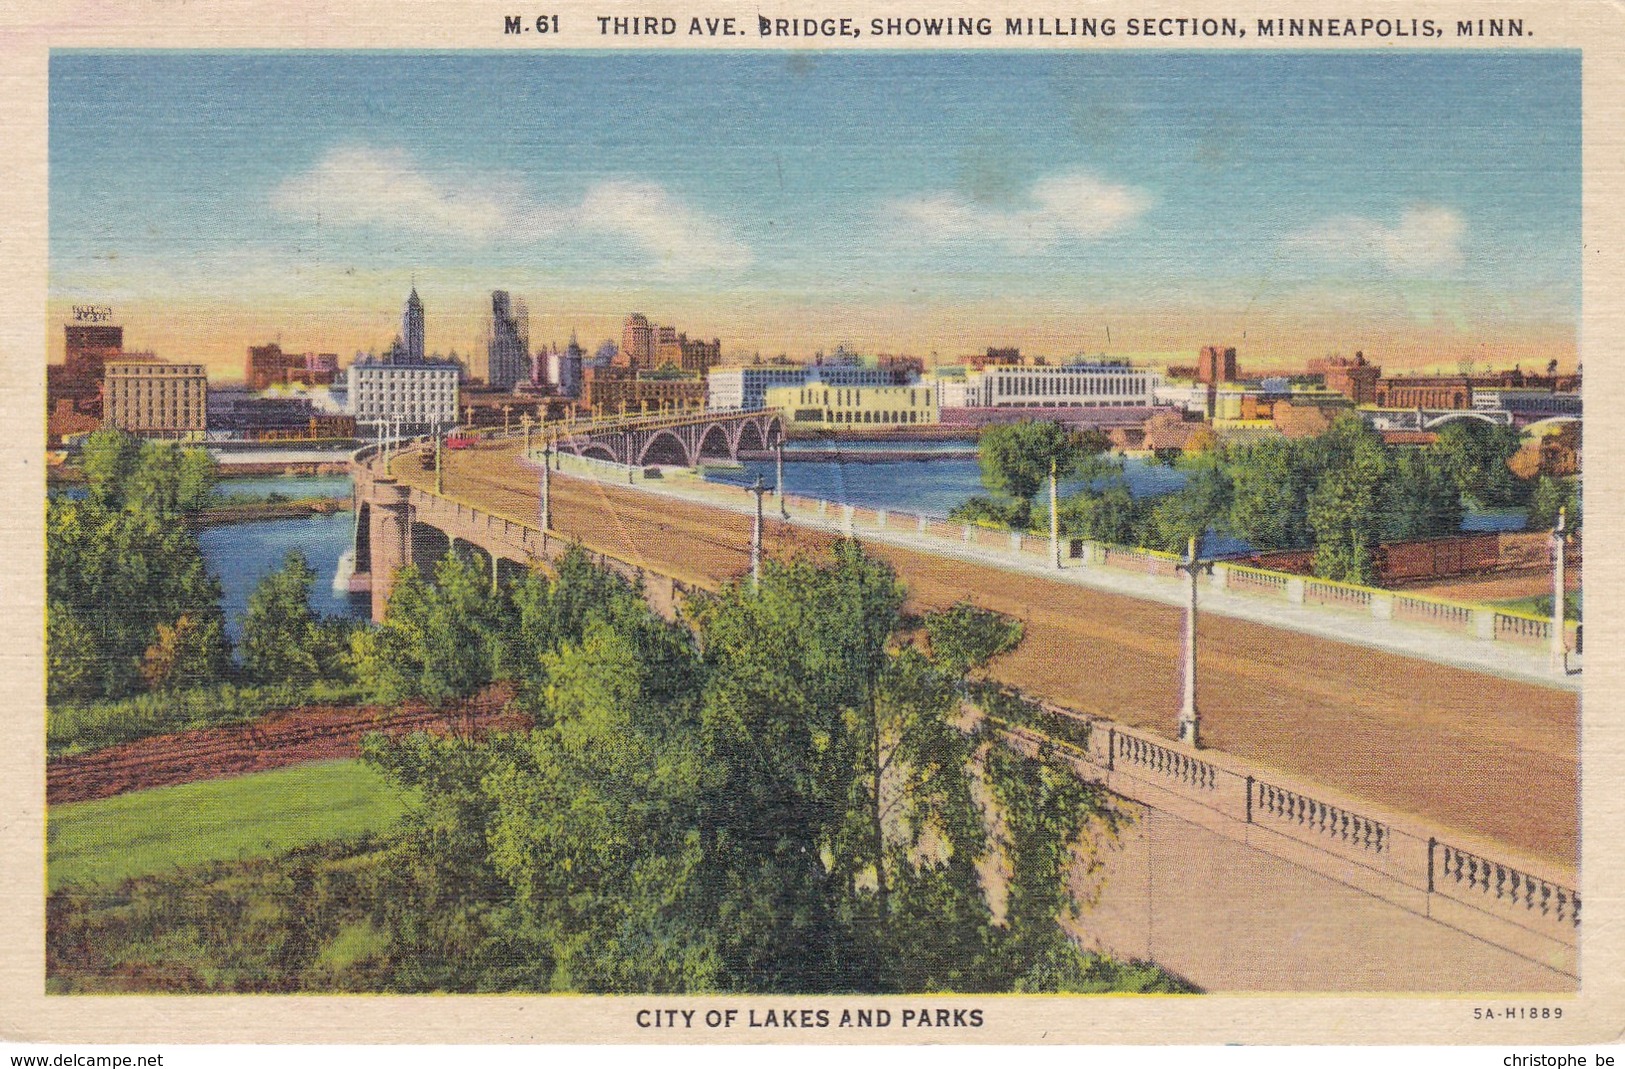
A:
[(1293, 203)]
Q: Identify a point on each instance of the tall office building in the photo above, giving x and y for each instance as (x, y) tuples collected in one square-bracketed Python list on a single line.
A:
[(412, 328), (637, 343), (507, 344)]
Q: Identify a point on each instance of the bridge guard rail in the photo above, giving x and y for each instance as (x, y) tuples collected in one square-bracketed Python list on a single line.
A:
[(1534, 915)]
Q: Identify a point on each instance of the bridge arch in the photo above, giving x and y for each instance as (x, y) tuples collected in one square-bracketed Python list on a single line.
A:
[(750, 438), (1466, 413), (665, 448), (598, 450), (773, 430), (1542, 425), (714, 444)]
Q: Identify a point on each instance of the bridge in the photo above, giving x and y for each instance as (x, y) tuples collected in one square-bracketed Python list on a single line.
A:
[(1262, 857), (682, 440), (1266, 849)]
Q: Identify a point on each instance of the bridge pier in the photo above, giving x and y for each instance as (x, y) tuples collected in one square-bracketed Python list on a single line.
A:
[(389, 537)]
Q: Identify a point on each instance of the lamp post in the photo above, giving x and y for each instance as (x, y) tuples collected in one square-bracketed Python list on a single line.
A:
[(525, 421), (756, 537), (1054, 519), (506, 409), (439, 471), (778, 487), (1560, 652), (547, 484), (1189, 720)]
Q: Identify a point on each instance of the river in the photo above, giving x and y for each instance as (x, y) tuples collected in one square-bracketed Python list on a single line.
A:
[(241, 554)]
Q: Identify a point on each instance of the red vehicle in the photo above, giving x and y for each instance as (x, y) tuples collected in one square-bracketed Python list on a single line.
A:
[(457, 441)]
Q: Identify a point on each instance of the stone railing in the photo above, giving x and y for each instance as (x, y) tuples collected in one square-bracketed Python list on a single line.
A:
[(1394, 858)]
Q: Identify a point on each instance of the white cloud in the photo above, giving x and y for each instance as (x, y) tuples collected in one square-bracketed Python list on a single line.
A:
[(361, 186), (1426, 239), (1075, 206), (647, 214)]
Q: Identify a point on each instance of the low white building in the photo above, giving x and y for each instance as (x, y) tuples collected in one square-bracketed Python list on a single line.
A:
[(1100, 385), (416, 396)]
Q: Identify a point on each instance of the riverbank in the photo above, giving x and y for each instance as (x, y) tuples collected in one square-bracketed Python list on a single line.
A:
[(244, 511)]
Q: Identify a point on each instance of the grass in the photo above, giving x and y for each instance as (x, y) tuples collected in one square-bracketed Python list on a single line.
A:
[(146, 832), (1541, 605)]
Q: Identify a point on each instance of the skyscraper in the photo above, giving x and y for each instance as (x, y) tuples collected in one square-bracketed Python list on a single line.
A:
[(507, 344), (412, 328)]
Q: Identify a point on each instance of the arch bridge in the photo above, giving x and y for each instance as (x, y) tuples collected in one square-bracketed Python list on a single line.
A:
[(684, 441)]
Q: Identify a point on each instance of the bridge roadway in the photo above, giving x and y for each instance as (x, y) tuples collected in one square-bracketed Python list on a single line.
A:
[(1491, 757)]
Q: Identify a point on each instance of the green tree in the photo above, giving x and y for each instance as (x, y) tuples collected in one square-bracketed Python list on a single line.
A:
[(1550, 495), (282, 640), (108, 459), (965, 637), (1016, 457), (1345, 517), (1269, 495), (1419, 500), (1474, 455), (115, 575)]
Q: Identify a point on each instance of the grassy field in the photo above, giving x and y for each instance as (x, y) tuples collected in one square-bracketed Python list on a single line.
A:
[(112, 839)]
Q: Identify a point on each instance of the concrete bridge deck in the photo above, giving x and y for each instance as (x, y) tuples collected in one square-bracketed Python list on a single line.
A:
[(1493, 757)]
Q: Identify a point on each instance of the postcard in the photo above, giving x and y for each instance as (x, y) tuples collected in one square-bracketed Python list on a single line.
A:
[(884, 524)]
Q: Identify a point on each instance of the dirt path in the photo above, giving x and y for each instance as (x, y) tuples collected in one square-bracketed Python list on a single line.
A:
[(1470, 751), (313, 733)]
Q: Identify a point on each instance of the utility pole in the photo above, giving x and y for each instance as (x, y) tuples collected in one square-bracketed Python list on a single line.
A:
[(439, 471), (756, 537), (1560, 652), (1189, 720), (1054, 520), (778, 488)]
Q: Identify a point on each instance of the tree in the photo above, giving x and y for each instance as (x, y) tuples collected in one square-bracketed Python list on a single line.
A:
[(1474, 455), (1016, 457), (1549, 496), (115, 575), (108, 460), (187, 653), (964, 637), (1204, 502), (281, 637), (1268, 505), (1345, 518), (1419, 500)]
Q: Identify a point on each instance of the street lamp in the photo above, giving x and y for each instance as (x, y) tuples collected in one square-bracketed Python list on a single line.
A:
[(439, 471), (756, 537), (547, 484), (506, 409), (1189, 719), (525, 421), (1560, 652), (778, 488), (1055, 520)]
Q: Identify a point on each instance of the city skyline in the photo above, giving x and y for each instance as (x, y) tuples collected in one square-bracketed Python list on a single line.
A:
[(1425, 208)]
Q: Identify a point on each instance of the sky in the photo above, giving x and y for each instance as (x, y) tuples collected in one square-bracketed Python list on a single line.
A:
[(1423, 207)]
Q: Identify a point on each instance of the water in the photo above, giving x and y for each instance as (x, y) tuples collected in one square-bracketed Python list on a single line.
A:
[(242, 554), (1495, 520), (924, 487), (937, 487), (260, 487)]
